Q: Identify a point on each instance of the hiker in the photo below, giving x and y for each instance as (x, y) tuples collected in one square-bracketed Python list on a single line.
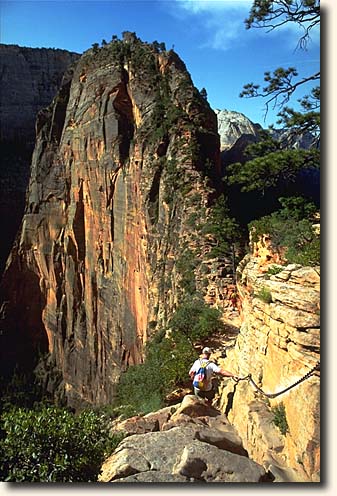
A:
[(203, 389)]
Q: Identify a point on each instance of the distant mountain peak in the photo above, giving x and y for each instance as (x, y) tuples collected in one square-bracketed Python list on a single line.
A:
[(232, 125)]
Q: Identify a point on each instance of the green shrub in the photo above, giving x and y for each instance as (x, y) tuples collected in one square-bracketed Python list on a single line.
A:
[(186, 265), (195, 320), (265, 295), (280, 419), (21, 389), (142, 388), (223, 228), (291, 228), (51, 444), (275, 269)]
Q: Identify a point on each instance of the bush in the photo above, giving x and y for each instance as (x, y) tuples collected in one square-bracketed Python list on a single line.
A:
[(265, 295), (274, 269), (291, 228), (280, 419), (195, 320), (51, 444), (143, 387)]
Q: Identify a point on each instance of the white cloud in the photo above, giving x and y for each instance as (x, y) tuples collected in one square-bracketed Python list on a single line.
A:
[(196, 6), (223, 21)]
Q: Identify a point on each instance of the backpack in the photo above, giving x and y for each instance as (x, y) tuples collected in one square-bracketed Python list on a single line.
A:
[(200, 376)]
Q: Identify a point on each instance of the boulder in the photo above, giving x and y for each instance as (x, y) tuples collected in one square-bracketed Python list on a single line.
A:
[(188, 448), (155, 476), (204, 462), (193, 407)]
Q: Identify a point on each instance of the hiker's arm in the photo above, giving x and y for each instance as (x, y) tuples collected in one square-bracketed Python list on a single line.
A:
[(226, 373), (192, 371)]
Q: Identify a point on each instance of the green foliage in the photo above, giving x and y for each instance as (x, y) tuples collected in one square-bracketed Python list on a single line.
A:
[(262, 173), (291, 228), (223, 229), (264, 295), (168, 357), (51, 444), (21, 390), (275, 269), (282, 84), (266, 144), (143, 387), (165, 115), (271, 14), (186, 265), (280, 419), (308, 120), (159, 47), (203, 93), (195, 320), (174, 176)]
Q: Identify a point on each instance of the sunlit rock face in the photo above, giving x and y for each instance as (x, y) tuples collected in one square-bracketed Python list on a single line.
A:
[(278, 343), (29, 80), (232, 125), (117, 171)]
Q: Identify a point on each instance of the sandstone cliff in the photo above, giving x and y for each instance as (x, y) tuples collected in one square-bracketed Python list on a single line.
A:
[(278, 343), (29, 80), (118, 169)]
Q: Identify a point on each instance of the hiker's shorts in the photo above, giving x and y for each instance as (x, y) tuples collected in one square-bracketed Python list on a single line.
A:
[(208, 395)]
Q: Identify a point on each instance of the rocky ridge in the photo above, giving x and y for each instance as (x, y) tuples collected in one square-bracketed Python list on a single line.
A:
[(278, 343)]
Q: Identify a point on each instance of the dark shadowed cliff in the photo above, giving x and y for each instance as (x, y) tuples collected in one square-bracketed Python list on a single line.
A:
[(29, 80)]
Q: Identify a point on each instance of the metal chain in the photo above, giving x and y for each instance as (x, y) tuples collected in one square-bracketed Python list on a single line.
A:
[(273, 395)]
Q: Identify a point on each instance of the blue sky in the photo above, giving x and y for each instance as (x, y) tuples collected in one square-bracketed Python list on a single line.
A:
[(209, 35)]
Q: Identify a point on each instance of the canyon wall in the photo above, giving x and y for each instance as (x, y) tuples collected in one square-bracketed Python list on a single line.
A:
[(117, 171), (278, 344), (29, 80)]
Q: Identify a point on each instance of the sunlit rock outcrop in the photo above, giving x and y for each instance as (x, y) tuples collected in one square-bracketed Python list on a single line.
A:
[(278, 344), (232, 125)]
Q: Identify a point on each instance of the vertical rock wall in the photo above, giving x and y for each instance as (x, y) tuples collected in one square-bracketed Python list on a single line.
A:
[(29, 80), (117, 169), (278, 343)]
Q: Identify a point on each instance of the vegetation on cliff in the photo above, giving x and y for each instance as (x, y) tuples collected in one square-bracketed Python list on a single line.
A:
[(277, 179), (292, 228), (168, 357)]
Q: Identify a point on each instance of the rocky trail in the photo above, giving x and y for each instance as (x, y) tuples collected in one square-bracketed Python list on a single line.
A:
[(187, 442)]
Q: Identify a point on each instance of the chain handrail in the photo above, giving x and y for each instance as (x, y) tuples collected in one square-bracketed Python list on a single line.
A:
[(274, 395)]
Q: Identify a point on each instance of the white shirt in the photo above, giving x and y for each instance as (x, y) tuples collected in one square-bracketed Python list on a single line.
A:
[(211, 369)]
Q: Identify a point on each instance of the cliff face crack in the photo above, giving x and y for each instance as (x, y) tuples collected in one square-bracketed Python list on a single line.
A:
[(79, 226), (123, 107), (153, 198), (59, 113)]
